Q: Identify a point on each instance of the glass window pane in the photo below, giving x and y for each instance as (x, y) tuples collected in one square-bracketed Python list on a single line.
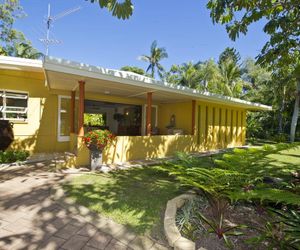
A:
[(65, 106), (16, 102)]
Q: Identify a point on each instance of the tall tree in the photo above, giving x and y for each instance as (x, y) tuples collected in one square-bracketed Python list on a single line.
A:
[(12, 41), (282, 22), (186, 74), (156, 55), (231, 82), (229, 54)]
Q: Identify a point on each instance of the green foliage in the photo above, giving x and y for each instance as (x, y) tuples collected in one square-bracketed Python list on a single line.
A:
[(187, 221), (229, 54), (273, 235), (217, 223), (134, 69), (187, 74), (94, 119), (120, 9), (291, 220), (156, 55), (244, 174), (12, 41), (13, 156)]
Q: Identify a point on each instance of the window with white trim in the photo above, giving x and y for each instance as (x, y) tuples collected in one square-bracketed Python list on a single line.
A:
[(13, 105)]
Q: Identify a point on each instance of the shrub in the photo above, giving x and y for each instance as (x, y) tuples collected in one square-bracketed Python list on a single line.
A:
[(13, 156)]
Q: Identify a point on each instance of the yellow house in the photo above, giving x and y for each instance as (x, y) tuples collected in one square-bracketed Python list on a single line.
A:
[(46, 101)]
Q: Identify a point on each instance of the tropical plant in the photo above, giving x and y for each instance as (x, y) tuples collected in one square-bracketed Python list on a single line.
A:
[(187, 74), (98, 139), (231, 84), (120, 9), (156, 55), (187, 220), (217, 222), (272, 235), (291, 219), (281, 24)]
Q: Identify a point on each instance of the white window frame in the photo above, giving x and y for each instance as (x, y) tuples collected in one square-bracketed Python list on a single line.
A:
[(59, 137), (145, 116), (5, 109)]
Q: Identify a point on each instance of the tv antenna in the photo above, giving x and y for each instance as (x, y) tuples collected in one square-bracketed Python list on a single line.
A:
[(49, 21)]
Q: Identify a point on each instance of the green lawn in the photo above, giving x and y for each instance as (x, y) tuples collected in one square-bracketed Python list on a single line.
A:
[(137, 197)]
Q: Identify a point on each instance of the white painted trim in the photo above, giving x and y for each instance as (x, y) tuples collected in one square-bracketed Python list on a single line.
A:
[(26, 111), (144, 113), (21, 62), (59, 137), (85, 70)]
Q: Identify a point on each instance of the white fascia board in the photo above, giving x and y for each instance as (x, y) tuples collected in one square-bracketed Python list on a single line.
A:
[(19, 63), (85, 70)]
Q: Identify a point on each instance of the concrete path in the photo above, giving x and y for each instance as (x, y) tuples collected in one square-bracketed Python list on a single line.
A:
[(31, 219)]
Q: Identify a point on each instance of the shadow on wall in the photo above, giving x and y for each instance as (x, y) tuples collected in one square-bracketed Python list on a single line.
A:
[(39, 134), (146, 147)]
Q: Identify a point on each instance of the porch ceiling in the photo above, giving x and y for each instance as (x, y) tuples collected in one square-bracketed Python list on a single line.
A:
[(65, 74), (69, 82)]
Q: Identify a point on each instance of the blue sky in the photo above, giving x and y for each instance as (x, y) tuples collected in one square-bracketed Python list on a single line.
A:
[(93, 36)]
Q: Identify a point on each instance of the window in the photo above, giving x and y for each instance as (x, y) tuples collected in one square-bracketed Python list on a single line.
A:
[(64, 106), (13, 105)]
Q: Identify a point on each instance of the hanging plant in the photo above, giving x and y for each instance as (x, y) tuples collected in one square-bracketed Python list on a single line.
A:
[(98, 139)]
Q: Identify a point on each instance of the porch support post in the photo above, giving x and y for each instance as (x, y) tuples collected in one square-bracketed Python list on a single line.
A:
[(193, 116), (72, 113), (81, 108), (148, 117)]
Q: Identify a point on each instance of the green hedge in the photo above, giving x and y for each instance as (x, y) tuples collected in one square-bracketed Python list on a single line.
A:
[(13, 156)]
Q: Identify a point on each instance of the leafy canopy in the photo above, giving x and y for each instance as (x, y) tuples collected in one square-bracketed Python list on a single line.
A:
[(282, 24), (12, 41), (120, 9)]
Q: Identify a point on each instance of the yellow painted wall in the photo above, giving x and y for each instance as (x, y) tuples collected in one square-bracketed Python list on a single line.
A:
[(220, 126), (217, 126), (183, 115), (39, 132)]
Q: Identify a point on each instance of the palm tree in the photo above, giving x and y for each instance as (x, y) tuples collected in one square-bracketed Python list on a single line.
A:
[(186, 74), (231, 83), (156, 55)]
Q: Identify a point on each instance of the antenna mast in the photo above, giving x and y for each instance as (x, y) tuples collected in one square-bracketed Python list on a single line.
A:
[(51, 19)]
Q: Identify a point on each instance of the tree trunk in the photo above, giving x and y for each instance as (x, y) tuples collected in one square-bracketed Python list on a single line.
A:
[(295, 113), (280, 116)]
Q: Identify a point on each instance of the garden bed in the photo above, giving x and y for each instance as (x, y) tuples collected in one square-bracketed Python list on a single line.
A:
[(247, 216), (247, 199)]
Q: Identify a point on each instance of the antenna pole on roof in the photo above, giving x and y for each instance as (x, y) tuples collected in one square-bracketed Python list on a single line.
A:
[(50, 19), (48, 29)]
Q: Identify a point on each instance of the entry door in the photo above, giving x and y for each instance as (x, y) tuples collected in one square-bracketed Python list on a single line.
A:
[(154, 114)]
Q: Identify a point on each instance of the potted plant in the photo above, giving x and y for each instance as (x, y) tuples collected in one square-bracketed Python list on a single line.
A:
[(96, 141)]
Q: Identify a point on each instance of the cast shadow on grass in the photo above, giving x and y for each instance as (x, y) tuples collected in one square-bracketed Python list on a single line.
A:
[(135, 197)]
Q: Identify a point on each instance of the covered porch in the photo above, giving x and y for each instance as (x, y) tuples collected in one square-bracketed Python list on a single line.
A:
[(149, 123), (152, 119)]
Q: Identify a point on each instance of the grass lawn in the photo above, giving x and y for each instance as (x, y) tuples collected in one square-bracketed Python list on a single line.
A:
[(137, 197)]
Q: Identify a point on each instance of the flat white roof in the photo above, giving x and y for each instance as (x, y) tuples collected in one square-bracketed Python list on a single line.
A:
[(125, 79)]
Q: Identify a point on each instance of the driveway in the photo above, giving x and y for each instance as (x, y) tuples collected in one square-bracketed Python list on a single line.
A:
[(31, 219)]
